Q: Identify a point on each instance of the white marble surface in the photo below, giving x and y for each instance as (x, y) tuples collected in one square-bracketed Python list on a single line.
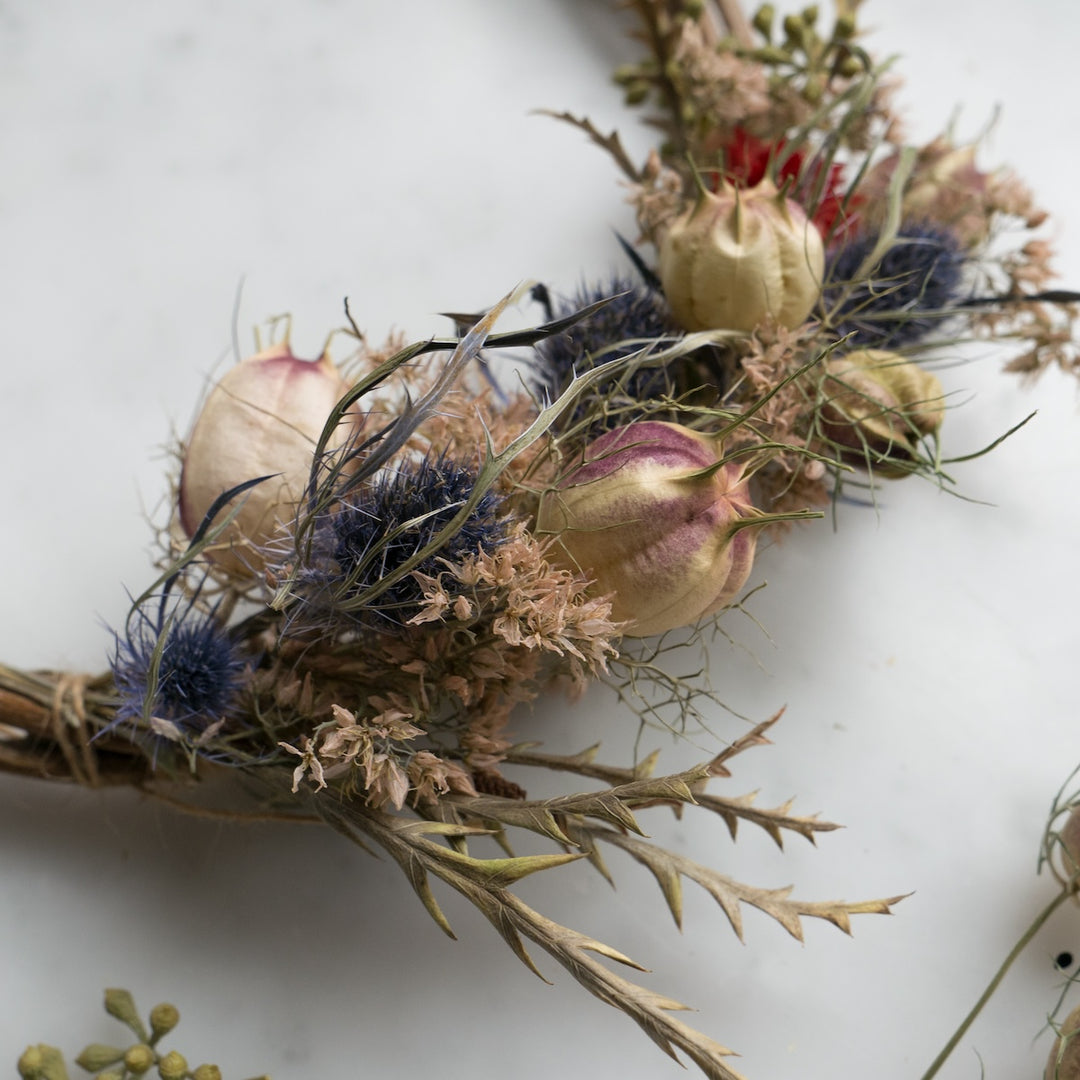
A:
[(155, 155)]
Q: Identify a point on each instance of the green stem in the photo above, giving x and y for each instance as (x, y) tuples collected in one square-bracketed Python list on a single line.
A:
[(1007, 963)]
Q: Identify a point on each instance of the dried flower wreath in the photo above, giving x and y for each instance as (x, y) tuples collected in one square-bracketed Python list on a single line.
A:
[(369, 565)]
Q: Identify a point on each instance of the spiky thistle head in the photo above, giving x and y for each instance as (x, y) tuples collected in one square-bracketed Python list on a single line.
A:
[(635, 312), (384, 525), (175, 664), (905, 297)]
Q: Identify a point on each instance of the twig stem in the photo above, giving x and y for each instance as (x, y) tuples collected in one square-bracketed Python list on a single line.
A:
[(1017, 949), (734, 18)]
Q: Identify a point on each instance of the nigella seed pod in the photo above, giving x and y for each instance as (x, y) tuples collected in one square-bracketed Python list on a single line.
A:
[(264, 418), (1069, 841), (877, 406), (656, 517), (738, 257), (1064, 1060)]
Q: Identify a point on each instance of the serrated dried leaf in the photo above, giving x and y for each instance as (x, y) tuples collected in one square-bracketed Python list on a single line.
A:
[(500, 873), (774, 820), (730, 894), (535, 816), (443, 828), (514, 920), (577, 953), (584, 842), (612, 805), (416, 871), (754, 737)]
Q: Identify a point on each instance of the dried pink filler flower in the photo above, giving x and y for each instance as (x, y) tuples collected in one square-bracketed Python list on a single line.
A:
[(657, 518)]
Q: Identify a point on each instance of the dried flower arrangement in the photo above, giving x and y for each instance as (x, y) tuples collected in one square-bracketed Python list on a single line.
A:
[(370, 565)]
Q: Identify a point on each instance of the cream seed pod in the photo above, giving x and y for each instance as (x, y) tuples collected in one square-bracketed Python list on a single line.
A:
[(263, 418), (656, 518), (1069, 842), (879, 405), (1064, 1060), (738, 257)]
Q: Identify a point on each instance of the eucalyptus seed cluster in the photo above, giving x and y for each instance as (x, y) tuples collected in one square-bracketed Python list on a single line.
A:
[(797, 44), (140, 1058), (639, 81)]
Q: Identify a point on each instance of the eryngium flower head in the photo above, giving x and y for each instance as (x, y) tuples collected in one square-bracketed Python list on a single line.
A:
[(634, 313), (905, 297), (194, 680), (396, 518)]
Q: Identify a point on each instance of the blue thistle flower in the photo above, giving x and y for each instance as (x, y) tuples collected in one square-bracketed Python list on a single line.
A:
[(396, 517), (180, 665), (635, 311), (907, 295)]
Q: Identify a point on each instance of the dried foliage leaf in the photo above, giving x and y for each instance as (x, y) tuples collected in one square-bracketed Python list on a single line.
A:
[(668, 867), (612, 805), (484, 882), (773, 820)]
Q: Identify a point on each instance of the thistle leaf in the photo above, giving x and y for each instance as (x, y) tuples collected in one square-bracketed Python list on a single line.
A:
[(612, 805), (730, 894), (499, 873), (416, 872), (583, 840), (754, 737), (577, 953), (534, 816), (515, 921), (772, 820)]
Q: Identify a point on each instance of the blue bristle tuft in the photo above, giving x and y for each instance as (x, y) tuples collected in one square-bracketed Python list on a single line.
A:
[(198, 676), (420, 500), (906, 297), (635, 312)]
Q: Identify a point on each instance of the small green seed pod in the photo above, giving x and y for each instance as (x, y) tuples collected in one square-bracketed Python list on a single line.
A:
[(163, 1018), (206, 1072), (172, 1066), (97, 1055), (42, 1062), (763, 20), (139, 1058), (1064, 1060), (795, 30), (844, 30), (772, 54), (119, 1003), (814, 89), (849, 66), (29, 1065)]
